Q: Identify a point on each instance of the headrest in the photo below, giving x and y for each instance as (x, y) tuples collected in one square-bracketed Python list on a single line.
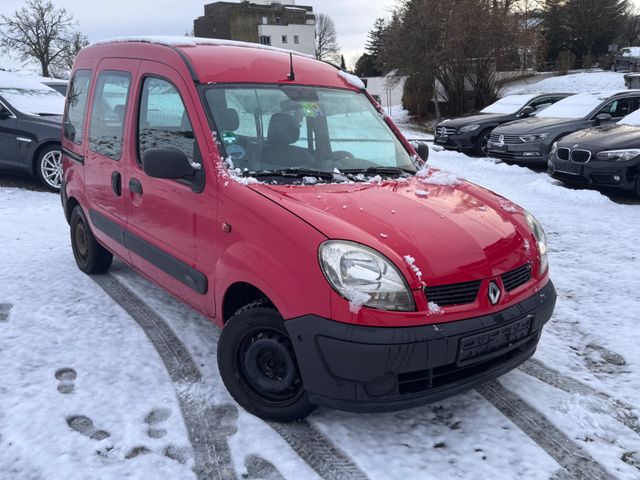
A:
[(227, 120), (119, 111), (283, 130)]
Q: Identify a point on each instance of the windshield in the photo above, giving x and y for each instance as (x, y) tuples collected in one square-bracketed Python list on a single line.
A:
[(276, 128), (576, 106), (34, 102), (509, 104)]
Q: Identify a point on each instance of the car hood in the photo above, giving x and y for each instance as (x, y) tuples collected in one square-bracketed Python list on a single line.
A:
[(603, 138), (455, 231), (54, 121), (480, 118), (535, 125)]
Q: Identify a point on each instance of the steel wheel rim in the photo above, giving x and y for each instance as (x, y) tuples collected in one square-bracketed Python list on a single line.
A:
[(82, 241), (51, 168)]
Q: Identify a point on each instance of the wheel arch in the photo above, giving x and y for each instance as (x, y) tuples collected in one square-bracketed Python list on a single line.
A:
[(238, 295)]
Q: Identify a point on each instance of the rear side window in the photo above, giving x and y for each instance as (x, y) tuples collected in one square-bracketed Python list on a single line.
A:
[(108, 112), (163, 120), (77, 106)]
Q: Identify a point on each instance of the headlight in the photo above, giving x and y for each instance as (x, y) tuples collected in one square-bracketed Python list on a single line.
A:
[(364, 277), (618, 155), (469, 128), (541, 240), (554, 149), (538, 137)]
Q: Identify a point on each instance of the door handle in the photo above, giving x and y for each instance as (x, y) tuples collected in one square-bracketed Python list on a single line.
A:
[(116, 183), (135, 186)]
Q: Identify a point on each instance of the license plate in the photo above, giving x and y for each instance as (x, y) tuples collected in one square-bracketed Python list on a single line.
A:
[(567, 167), (442, 138), (499, 148), (494, 342)]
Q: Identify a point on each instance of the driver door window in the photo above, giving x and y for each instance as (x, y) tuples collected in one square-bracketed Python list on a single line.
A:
[(619, 108)]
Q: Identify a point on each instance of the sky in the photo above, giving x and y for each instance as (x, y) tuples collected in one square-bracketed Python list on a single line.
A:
[(112, 18)]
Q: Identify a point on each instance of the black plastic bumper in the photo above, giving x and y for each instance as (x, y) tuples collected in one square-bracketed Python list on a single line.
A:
[(596, 173), (462, 142), (375, 369)]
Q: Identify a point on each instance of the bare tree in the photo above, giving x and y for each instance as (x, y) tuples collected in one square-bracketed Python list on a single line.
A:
[(327, 47), (74, 42), (38, 31)]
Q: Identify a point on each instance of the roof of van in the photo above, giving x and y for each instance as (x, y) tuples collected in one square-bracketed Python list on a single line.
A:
[(237, 62)]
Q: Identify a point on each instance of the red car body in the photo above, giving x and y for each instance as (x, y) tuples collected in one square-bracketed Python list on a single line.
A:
[(230, 242)]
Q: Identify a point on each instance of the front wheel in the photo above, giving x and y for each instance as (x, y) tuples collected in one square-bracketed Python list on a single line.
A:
[(259, 367), (482, 144), (49, 167)]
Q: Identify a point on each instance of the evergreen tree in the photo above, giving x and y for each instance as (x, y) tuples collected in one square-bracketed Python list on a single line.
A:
[(555, 28), (374, 40), (343, 64)]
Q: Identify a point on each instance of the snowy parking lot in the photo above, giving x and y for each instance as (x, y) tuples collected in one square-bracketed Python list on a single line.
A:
[(110, 377)]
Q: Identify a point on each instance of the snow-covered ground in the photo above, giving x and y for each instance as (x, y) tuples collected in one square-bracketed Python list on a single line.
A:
[(573, 83), (84, 395)]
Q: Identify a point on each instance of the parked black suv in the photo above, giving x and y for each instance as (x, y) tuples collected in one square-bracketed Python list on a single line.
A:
[(600, 157), (530, 140), (31, 129), (627, 60), (471, 133)]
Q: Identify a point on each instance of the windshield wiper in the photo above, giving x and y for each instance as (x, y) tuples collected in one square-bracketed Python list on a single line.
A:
[(290, 172), (379, 170)]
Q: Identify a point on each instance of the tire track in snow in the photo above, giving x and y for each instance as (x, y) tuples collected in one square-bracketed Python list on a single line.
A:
[(577, 463), (617, 409), (206, 423)]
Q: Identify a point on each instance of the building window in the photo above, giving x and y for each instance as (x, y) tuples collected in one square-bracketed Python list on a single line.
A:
[(285, 39), (296, 39), (278, 20), (265, 20), (265, 40)]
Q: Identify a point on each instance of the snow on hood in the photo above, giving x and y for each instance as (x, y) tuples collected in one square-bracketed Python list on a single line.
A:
[(416, 218), (576, 106), (509, 104), (632, 119), (30, 96)]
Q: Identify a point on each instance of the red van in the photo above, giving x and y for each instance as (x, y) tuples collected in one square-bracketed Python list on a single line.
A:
[(269, 191)]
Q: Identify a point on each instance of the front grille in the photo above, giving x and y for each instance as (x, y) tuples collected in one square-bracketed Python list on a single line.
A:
[(563, 154), (581, 156), (506, 139), (453, 294), (516, 278), (443, 131)]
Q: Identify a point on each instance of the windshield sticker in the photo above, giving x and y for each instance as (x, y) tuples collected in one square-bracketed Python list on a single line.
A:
[(311, 109), (229, 138)]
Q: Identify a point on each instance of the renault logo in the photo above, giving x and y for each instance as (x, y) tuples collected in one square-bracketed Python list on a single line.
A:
[(494, 293)]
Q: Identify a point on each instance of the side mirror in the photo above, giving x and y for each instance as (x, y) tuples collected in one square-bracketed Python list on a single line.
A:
[(422, 149), (604, 117), (168, 163), (526, 111)]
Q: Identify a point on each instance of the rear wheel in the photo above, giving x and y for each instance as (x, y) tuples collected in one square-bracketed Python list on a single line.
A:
[(49, 167), (637, 192), (90, 256), (482, 144), (258, 365)]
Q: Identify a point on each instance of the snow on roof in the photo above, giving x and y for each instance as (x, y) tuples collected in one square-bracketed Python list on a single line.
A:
[(29, 96), (578, 106), (352, 79), (509, 104), (177, 41), (630, 51)]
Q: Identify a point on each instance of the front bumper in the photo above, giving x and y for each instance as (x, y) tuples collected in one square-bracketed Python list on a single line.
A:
[(371, 369), (536, 152), (596, 173), (459, 142)]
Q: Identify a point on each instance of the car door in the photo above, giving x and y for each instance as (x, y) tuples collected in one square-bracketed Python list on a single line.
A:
[(618, 108), (169, 221), (8, 134), (108, 144)]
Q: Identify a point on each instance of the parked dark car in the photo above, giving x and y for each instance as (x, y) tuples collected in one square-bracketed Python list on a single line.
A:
[(530, 140), (627, 59), (600, 157), (471, 133), (31, 129)]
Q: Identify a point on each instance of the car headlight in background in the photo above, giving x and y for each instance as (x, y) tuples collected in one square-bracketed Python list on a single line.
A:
[(364, 276), (619, 155), (468, 129), (541, 241), (554, 149), (538, 137)]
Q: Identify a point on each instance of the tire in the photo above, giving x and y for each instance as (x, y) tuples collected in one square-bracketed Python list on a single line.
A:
[(258, 365), (90, 256), (49, 167), (481, 143)]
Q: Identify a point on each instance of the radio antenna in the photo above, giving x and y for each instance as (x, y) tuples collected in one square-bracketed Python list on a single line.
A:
[(292, 73)]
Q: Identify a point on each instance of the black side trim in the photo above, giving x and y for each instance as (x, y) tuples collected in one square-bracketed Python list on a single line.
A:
[(179, 270), (188, 63), (73, 156)]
